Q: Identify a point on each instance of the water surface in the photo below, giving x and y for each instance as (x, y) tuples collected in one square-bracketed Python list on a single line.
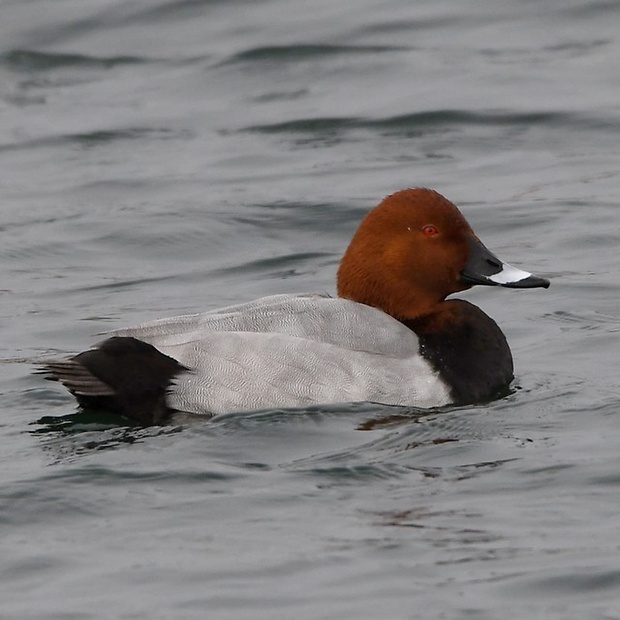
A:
[(171, 157)]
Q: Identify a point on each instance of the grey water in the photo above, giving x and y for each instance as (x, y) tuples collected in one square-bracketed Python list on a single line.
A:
[(175, 156)]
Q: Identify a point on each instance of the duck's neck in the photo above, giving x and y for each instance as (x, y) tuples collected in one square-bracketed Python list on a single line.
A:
[(408, 304), (468, 350)]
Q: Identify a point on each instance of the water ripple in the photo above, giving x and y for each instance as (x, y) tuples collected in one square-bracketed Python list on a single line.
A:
[(295, 53), (432, 119), (29, 61), (94, 138)]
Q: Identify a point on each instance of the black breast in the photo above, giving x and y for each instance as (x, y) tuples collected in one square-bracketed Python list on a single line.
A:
[(468, 350)]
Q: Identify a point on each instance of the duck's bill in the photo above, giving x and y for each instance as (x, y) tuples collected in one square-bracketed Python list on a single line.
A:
[(483, 267)]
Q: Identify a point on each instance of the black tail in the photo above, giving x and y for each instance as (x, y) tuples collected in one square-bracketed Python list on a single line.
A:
[(123, 375)]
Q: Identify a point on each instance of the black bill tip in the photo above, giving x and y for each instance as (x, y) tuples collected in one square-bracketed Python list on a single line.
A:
[(483, 267)]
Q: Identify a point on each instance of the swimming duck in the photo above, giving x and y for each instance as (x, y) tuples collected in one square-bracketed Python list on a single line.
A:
[(390, 336)]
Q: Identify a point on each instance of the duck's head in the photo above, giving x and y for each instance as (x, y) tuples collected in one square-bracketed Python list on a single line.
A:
[(413, 250)]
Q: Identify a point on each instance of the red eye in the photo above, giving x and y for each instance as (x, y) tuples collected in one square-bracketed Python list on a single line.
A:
[(430, 230)]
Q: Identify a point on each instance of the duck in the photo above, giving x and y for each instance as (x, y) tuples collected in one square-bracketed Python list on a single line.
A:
[(389, 336)]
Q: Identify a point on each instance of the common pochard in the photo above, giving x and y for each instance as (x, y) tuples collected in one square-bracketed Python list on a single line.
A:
[(390, 336)]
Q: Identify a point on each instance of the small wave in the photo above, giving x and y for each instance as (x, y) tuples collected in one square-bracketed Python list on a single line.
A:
[(465, 117), (28, 60), (128, 283), (408, 26), (574, 583), (92, 138), (287, 216), (326, 131), (588, 320), (294, 53), (277, 267), (308, 125), (418, 120), (176, 10)]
